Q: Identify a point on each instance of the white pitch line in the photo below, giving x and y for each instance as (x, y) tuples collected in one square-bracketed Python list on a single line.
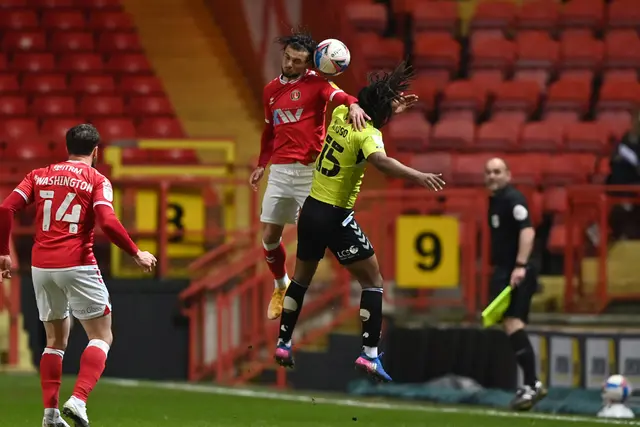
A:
[(274, 395)]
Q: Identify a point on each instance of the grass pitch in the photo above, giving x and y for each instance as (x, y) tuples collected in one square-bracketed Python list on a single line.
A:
[(142, 404)]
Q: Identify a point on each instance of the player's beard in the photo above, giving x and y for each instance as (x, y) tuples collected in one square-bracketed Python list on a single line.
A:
[(290, 76)]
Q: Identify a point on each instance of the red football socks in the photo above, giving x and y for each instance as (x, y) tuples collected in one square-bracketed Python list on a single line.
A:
[(51, 376), (92, 365), (276, 258)]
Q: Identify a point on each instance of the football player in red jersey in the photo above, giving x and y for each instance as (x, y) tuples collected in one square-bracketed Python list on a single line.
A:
[(294, 108), (70, 198)]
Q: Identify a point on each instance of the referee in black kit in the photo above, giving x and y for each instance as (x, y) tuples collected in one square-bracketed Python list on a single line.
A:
[(512, 237)]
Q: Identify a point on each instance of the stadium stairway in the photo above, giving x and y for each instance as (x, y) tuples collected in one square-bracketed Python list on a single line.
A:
[(189, 54)]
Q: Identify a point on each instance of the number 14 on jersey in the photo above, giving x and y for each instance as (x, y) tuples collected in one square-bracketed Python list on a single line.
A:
[(62, 213)]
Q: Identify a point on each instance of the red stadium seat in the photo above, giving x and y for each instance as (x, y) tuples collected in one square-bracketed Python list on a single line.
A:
[(452, 134), (115, 128), (623, 75), (11, 106), (113, 5), (555, 200), (556, 172), (8, 83), (617, 122), (482, 35), (538, 15), (619, 95), (30, 149), (582, 14), (136, 156), (497, 136), (409, 131), (94, 85), (581, 75), (101, 105), (119, 42), (463, 95), (150, 106), (71, 41), (3, 62), (526, 169), (468, 169), (44, 83), (66, 20), (129, 63), (175, 156), (380, 52), (18, 19), (365, 16), (436, 51), (581, 52), (587, 136), (24, 41), (57, 128), (488, 79), (110, 21), (438, 16), (160, 127), (18, 128), (622, 49), (33, 62), (494, 15), (148, 85), (539, 76), (440, 162), (568, 95), (623, 14), (603, 169), (542, 136), (510, 116), (81, 63), (427, 90), (536, 50), (520, 96), (53, 106), (493, 53), (51, 4)]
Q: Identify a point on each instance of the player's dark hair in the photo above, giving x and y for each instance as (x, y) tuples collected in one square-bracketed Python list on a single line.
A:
[(82, 139), (376, 98), (300, 40)]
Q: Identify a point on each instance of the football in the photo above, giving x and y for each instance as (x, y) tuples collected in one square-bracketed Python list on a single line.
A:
[(331, 57), (616, 389)]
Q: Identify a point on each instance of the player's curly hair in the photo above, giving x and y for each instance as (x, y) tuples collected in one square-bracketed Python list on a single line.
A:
[(82, 139), (376, 98), (300, 39)]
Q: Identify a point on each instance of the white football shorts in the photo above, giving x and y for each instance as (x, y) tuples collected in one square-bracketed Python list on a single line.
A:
[(287, 189), (79, 289)]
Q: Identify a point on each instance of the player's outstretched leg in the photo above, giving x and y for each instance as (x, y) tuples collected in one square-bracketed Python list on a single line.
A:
[(292, 306), (276, 258), (92, 364), (51, 371), (367, 272)]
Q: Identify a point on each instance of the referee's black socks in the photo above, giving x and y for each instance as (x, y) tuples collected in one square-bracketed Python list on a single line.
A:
[(524, 355), (371, 317), (290, 311)]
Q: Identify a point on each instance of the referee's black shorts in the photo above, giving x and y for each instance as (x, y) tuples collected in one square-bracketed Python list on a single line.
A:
[(322, 226), (520, 296)]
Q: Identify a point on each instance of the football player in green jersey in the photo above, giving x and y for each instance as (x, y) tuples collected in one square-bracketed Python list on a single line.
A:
[(327, 217)]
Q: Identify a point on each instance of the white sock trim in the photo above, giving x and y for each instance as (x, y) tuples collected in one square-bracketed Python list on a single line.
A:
[(55, 351), (101, 345), (271, 246)]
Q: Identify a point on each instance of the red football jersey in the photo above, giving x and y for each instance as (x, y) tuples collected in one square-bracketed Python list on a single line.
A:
[(65, 195), (296, 110)]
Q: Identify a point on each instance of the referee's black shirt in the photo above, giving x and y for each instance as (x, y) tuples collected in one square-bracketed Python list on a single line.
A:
[(508, 214)]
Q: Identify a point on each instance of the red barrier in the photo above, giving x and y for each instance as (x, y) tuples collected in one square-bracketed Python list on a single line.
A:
[(591, 205)]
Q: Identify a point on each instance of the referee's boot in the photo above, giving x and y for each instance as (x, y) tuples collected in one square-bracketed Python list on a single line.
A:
[(527, 396), (372, 366)]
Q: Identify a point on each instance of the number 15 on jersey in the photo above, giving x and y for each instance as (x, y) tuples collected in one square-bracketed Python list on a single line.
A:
[(427, 252)]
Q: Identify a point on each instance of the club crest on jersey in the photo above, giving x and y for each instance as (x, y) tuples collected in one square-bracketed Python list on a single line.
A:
[(295, 95)]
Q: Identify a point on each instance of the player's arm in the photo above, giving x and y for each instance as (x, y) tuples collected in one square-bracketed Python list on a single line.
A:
[(266, 140), (20, 197), (373, 150), (520, 212), (331, 92), (107, 220)]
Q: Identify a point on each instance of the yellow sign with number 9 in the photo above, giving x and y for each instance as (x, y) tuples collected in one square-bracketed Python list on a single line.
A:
[(427, 252)]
